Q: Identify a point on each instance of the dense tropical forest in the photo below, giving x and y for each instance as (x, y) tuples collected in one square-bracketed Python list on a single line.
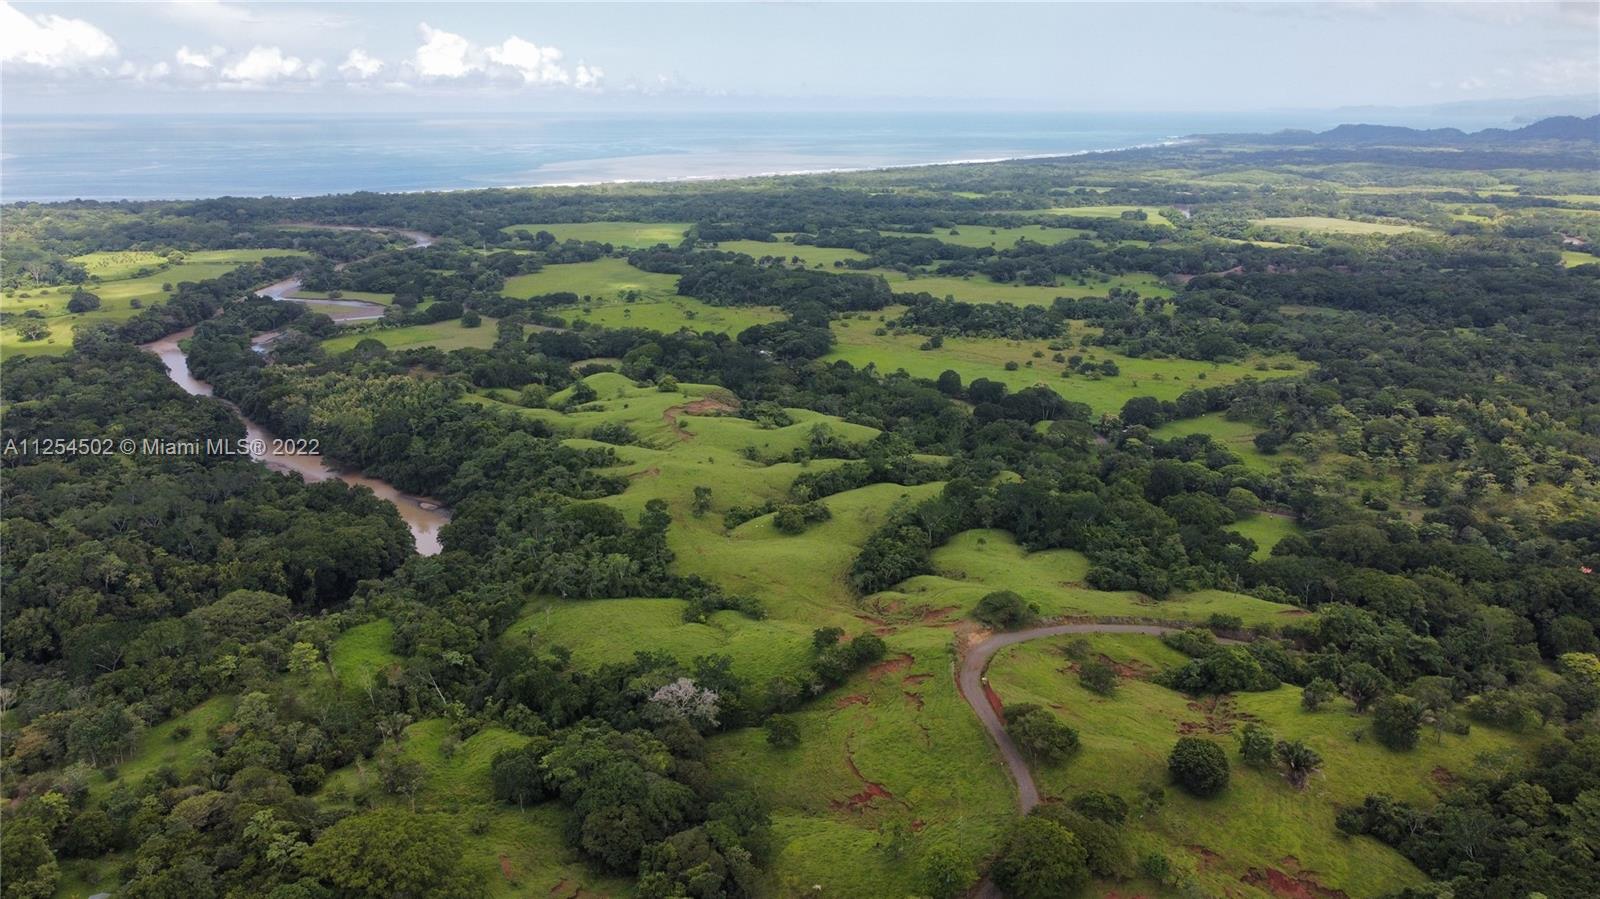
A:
[(1232, 507)]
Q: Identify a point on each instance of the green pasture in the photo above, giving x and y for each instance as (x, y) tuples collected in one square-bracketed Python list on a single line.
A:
[(620, 234), (118, 288), (999, 238), (810, 256), (979, 357), (979, 289), (1570, 258), (178, 743), (1261, 821), (1318, 223), (978, 562), (363, 652), (1102, 212), (669, 314), (1237, 436), (606, 278), (445, 335)]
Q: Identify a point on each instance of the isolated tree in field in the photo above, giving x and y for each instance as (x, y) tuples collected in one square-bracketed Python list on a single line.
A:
[(393, 852), (1396, 721), (1317, 693), (83, 301), (1040, 860), (1363, 684), (782, 732), (1005, 610), (1097, 677), (702, 501), (1299, 761), (1255, 745), (949, 382), (1437, 695), (1199, 766), (684, 700), (946, 873), (1039, 733), (33, 330)]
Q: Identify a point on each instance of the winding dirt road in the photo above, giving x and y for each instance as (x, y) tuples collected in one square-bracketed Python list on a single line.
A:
[(971, 682)]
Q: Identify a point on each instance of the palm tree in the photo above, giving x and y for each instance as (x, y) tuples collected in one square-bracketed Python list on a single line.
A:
[(1299, 761)]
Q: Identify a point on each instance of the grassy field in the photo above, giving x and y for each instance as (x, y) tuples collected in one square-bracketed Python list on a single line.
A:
[(976, 289), (362, 652), (1238, 436), (811, 257), (621, 234), (978, 562), (1266, 530), (999, 238), (1102, 212), (120, 286), (178, 743), (1261, 822), (975, 357), (445, 335), (669, 314), (518, 852), (603, 278), (1570, 258), (1292, 224), (894, 748)]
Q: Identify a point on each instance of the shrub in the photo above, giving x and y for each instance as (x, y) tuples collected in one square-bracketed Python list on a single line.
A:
[(1397, 720), (1255, 745), (1005, 610), (1199, 766), (782, 732), (1040, 860), (1039, 733), (1107, 807), (83, 301), (1097, 677), (1317, 693)]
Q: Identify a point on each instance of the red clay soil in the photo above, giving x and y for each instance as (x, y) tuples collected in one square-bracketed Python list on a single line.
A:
[(1442, 776), (1292, 883), (852, 699), (914, 699), (505, 868), (934, 615), (890, 666), (994, 700), (1207, 857), (911, 680), (870, 791), (651, 472), (698, 407), (1221, 714)]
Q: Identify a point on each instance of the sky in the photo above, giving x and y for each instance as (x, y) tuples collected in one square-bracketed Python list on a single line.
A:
[(212, 56)]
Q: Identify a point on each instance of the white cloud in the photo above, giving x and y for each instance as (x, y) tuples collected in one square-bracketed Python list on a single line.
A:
[(537, 65), (444, 55), (192, 58), (51, 41), (360, 66), (1563, 74), (267, 64)]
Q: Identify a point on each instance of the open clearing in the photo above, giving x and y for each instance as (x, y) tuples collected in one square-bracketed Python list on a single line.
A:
[(1261, 823), (445, 335), (978, 289), (1298, 223), (810, 256), (669, 314), (978, 357), (604, 278), (999, 238), (119, 288), (620, 234)]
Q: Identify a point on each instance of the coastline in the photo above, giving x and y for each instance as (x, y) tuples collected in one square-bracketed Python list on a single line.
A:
[(649, 179)]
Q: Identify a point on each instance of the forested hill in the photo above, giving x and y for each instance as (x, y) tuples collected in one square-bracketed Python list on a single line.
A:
[(1555, 128)]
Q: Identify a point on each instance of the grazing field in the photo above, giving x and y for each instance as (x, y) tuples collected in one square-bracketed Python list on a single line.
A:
[(1570, 258), (363, 652), (620, 234), (977, 289), (976, 357), (1266, 529), (445, 335), (603, 278), (894, 751), (810, 256), (1238, 436), (668, 314), (1154, 216), (978, 562), (999, 238), (1315, 223), (517, 852), (122, 292), (1261, 823)]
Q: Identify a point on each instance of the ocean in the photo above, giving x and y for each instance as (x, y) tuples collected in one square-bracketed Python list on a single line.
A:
[(149, 157)]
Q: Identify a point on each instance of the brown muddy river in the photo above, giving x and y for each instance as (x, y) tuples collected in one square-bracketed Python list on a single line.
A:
[(422, 515)]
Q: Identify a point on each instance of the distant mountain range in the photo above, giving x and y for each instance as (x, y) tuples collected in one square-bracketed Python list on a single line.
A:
[(1557, 128)]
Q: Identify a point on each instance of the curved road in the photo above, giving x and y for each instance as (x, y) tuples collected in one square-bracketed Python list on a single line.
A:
[(970, 681)]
